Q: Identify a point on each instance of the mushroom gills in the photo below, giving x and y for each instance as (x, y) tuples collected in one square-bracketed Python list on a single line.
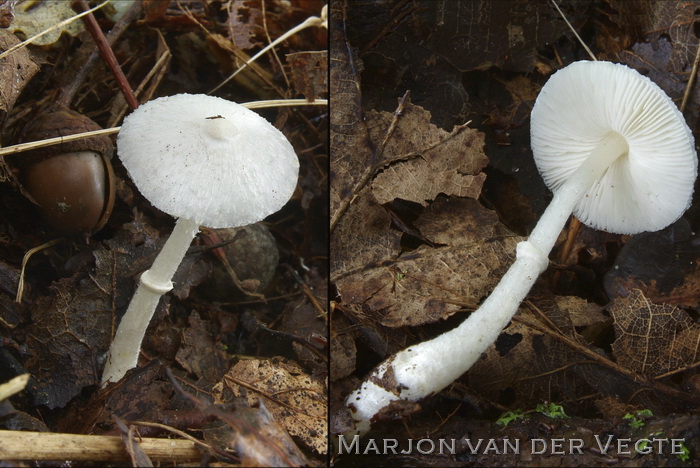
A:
[(566, 197)]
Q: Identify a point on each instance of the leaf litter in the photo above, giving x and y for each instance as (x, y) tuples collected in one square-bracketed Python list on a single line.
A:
[(77, 289), (411, 254)]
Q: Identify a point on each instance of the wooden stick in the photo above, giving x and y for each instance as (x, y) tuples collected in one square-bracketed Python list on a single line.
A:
[(107, 53), (21, 445)]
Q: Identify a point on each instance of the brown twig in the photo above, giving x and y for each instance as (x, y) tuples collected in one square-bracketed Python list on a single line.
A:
[(106, 53), (691, 80), (69, 91)]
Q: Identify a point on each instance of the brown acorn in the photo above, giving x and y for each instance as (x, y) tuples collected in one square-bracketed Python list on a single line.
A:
[(72, 183)]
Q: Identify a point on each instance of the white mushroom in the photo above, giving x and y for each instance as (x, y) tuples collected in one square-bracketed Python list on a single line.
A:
[(617, 153), (205, 161)]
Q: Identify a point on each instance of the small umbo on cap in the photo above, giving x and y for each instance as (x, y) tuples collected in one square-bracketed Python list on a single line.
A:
[(209, 159), (645, 189)]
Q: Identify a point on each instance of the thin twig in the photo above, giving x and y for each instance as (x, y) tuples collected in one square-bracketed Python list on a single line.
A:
[(691, 80), (69, 91), (574, 31), (269, 40), (107, 53), (12, 386)]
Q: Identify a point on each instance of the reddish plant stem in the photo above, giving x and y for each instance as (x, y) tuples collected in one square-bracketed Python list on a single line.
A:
[(106, 53)]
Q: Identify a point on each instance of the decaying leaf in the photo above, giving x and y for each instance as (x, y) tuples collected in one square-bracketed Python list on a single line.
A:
[(198, 353), (256, 438), (653, 338), (73, 324), (673, 19), (15, 72), (579, 311), (523, 367), (364, 237), (245, 19), (432, 283), (32, 18), (343, 352), (450, 164), (296, 399), (71, 329), (310, 73)]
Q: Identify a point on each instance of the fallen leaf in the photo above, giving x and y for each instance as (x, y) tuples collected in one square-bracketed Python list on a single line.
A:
[(244, 20), (443, 163), (432, 283), (653, 338), (72, 326), (31, 19), (15, 72), (297, 400), (198, 353), (256, 437), (523, 368), (663, 265), (363, 238), (651, 20), (310, 73)]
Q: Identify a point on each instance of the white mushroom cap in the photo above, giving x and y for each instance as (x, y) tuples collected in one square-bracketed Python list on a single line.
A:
[(645, 190), (208, 159)]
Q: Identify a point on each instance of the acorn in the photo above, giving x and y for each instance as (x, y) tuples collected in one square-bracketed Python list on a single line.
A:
[(71, 183)]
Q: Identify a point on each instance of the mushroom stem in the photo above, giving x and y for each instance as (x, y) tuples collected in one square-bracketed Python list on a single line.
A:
[(154, 282), (426, 368)]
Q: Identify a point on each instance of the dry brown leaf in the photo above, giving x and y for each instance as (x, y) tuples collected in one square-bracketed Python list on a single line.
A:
[(427, 46), (245, 19), (451, 164), (363, 238), (579, 311), (432, 283), (653, 338), (199, 354), (343, 352), (296, 399), (349, 136), (256, 438), (15, 72), (310, 73)]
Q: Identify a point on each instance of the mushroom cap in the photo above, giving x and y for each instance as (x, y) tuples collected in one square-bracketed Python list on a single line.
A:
[(645, 190), (207, 159)]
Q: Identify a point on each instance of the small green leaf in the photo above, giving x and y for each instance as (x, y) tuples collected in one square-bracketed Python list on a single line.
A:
[(551, 410), (685, 453), (509, 416)]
